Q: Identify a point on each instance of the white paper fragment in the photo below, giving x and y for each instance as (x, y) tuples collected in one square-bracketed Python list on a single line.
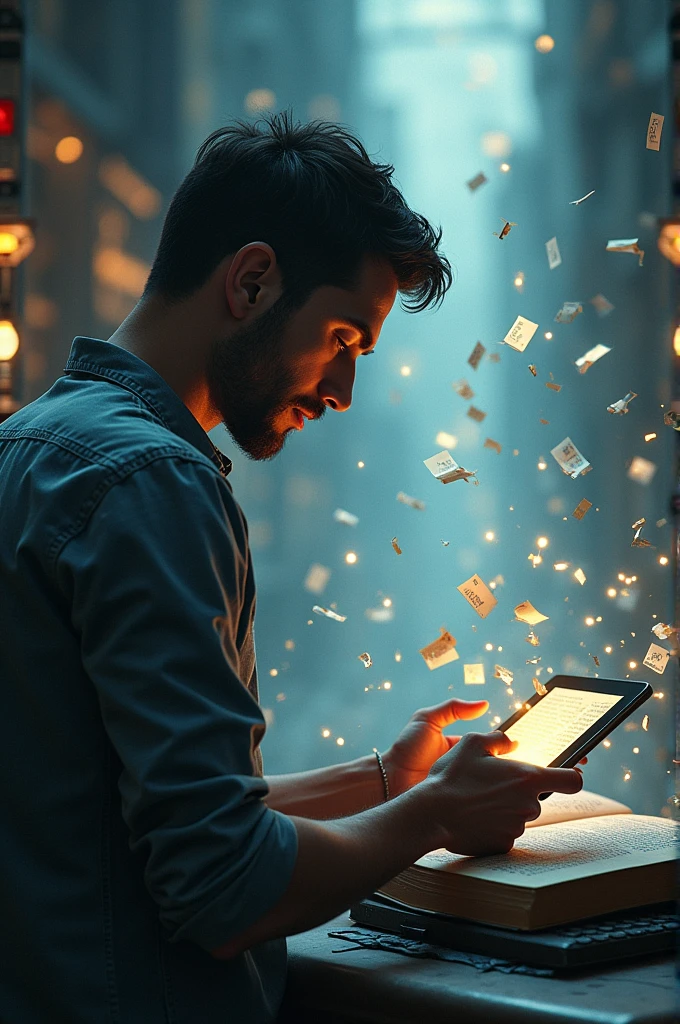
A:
[(395, 545), (520, 334), (477, 594), (329, 613), (504, 674), (580, 576), (553, 251), (645, 723), (592, 355), (577, 202), (317, 577), (654, 129), (505, 230), (406, 499), (568, 312), (569, 459), (620, 408), (445, 543), (656, 658), (473, 675), (366, 659), (626, 245), (540, 689), (441, 651), (641, 470), (445, 468), (476, 355), (526, 612), (532, 639), (474, 183), (663, 631), (348, 518)]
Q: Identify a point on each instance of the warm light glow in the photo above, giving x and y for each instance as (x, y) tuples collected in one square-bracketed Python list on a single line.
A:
[(658, 695), (676, 341), (68, 150), (489, 535), (632, 664), (628, 580), (626, 776), (535, 560), (446, 440), (387, 685), (608, 650), (650, 437), (397, 655), (387, 602), (9, 243), (351, 557), (611, 592), (598, 619), (488, 647), (9, 340), (500, 648), (325, 733), (340, 742), (606, 743), (361, 465), (548, 335), (621, 577), (541, 465), (560, 566), (589, 620), (542, 542), (505, 168), (519, 281), (544, 44), (405, 371), (663, 560), (257, 101), (636, 750), (273, 671)]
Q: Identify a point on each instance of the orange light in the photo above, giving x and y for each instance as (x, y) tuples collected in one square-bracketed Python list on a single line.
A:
[(68, 150), (9, 340)]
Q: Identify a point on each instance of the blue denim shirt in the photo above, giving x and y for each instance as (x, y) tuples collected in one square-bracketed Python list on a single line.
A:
[(133, 833)]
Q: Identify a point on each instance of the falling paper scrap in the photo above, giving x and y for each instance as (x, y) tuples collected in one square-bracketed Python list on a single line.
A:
[(526, 612), (626, 245), (462, 388), (580, 576), (552, 249), (553, 387), (445, 468), (476, 414), (662, 631), (505, 230), (316, 579), (638, 541), (395, 545), (490, 443), (620, 408), (504, 674), (645, 722), (477, 594), (641, 470), (532, 661), (366, 659), (569, 459), (446, 543), (595, 659), (532, 370), (406, 499), (577, 202), (654, 129), (656, 658), (474, 183), (476, 355), (568, 312), (473, 675), (672, 419), (592, 355), (520, 334), (532, 639), (540, 689), (582, 508), (441, 651), (329, 613), (602, 305), (348, 518)]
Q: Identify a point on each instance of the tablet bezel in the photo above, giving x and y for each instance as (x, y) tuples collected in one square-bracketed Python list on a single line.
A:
[(633, 694)]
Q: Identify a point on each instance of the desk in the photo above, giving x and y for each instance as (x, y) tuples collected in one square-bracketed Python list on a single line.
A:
[(373, 987)]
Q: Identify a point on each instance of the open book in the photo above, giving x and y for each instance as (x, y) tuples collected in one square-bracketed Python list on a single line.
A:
[(586, 855)]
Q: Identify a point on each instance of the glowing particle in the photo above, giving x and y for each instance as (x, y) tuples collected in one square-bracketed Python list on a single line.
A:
[(340, 742), (387, 685), (544, 43), (627, 775), (589, 620), (488, 647), (606, 743), (273, 671), (360, 465), (663, 560), (325, 733), (535, 559), (289, 645), (405, 371), (489, 535), (542, 542), (560, 566), (504, 168), (645, 723), (397, 655), (650, 437), (548, 335), (446, 440), (387, 602), (519, 281), (658, 695), (632, 664), (580, 576), (636, 750), (611, 592), (541, 464)]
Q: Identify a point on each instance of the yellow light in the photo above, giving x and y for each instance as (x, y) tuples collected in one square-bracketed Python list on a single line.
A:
[(606, 743), (541, 465), (636, 750), (628, 580), (505, 168), (387, 603), (273, 671), (397, 655), (621, 577), (650, 437), (598, 619), (488, 647), (325, 733), (632, 664), (658, 695), (68, 150), (489, 535), (361, 465), (542, 542), (548, 335), (535, 559), (9, 243), (405, 371), (544, 44), (633, 579), (518, 704), (626, 776), (611, 592), (340, 742), (608, 649), (445, 439), (589, 620), (676, 341), (560, 566), (351, 557), (9, 340), (663, 560), (519, 281), (387, 685)]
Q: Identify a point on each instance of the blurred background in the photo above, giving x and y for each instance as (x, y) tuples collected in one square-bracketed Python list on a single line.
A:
[(549, 101)]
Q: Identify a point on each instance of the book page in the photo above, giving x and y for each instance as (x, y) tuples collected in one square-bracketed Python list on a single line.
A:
[(568, 850), (572, 806), (555, 722)]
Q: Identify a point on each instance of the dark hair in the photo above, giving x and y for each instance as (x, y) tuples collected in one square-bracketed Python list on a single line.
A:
[(310, 191)]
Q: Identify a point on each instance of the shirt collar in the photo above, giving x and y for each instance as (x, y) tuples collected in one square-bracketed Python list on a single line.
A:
[(111, 362)]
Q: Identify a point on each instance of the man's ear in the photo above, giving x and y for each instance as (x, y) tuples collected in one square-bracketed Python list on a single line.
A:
[(253, 280)]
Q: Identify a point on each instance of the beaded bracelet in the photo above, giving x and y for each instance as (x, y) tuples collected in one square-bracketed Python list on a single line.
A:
[(381, 766)]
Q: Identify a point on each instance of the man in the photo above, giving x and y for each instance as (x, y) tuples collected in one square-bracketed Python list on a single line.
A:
[(148, 872)]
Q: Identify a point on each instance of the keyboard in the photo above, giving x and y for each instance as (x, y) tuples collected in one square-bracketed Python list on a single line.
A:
[(631, 933)]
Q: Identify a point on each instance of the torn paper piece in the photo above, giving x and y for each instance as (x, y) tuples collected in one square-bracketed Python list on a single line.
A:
[(595, 659), (592, 355), (504, 674), (568, 312), (672, 419), (462, 388), (348, 518), (532, 370), (316, 579), (570, 459), (490, 443), (329, 613), (656, 658), (532, 639), (603, 306), (526, 612), (620, 408), (395, 545), (641, 470), (645, 723), (532, 661), (654, 129), (505, 230), (553, 386), (651, 436), (577, 202), (540, 689), (476, 355), (366, 659), (626, 245), (406, 499), (473, 675), (552, 249), (474, 183), (476, 414), (477, 594), (494, 357), (582, 508), (379, 614), (445, 543), (520, 334), (663, 632), (580, 576), (639, 541), (440, 652), (661, 522), (445, 468)]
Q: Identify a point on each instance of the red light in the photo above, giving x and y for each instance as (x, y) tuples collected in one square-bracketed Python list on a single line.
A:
[(7, 117)]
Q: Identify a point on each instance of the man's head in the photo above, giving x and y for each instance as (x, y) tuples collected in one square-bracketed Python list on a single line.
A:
[(299, 243)]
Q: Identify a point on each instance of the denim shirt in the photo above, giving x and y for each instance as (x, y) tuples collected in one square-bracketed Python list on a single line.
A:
[(134, 837)]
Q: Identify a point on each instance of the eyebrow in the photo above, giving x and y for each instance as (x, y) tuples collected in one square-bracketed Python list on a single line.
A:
[(364, 330)]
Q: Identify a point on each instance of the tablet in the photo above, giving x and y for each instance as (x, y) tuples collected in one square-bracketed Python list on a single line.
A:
[(558, 729)]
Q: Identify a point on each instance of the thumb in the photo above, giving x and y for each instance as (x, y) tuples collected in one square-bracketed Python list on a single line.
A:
[(451, 711), (499, 743)]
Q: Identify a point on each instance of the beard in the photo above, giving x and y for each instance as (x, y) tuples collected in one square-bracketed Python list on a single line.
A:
[(251, 384)]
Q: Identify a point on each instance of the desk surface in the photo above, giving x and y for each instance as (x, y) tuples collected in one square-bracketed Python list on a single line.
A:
[(363, 986)]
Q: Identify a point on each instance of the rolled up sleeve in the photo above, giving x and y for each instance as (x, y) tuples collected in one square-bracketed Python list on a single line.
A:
[(156, 580)]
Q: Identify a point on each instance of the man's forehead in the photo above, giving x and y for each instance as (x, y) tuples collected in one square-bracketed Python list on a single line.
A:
[(369, 301)]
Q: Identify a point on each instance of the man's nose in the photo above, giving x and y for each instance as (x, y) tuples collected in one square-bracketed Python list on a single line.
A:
[(336, 390)]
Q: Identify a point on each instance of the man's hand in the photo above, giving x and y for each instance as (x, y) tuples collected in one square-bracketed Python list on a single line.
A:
[(422, 742)]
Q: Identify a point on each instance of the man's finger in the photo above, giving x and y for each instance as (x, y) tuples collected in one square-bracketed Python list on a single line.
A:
[(497, 743), (560, 780), (454, 710)]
